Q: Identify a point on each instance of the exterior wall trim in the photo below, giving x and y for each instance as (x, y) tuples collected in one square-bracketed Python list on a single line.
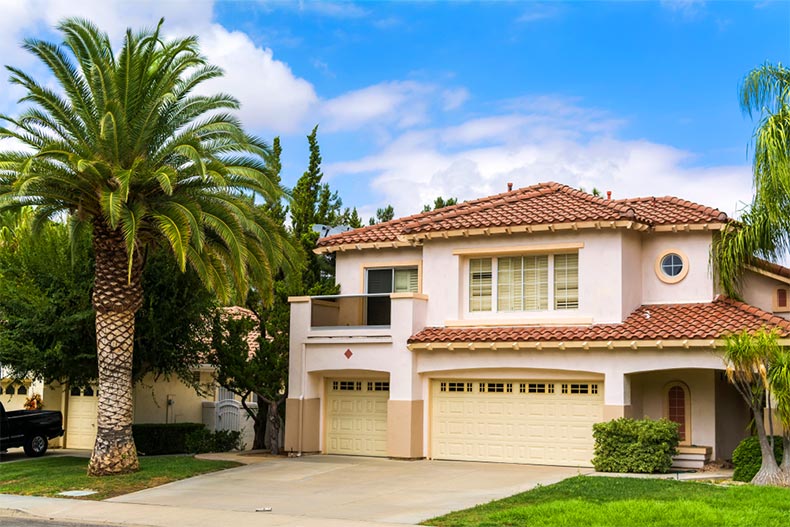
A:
[(520, 249), (585, 345)]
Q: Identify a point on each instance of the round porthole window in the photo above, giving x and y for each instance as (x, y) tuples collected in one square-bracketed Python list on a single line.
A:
[(672, 266)]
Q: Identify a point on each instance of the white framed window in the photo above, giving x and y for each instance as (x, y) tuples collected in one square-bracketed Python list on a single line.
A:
[(393, 280), (524, 283)]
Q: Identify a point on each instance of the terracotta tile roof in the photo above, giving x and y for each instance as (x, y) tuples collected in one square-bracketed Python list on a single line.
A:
[(671, 210), (772, 267), (238, 312), (541, 204), (711, 320)]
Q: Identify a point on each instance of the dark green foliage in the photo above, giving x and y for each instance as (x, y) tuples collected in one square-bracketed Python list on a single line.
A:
[(45, 299), (274, 207), (383, 214), (203, 441), (440, 203), (153, 439), (630, 445), (747, 457), (172, 327), (48, 327)]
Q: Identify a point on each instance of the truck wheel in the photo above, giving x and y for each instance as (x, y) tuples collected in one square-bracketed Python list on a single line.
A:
[(36, 445)]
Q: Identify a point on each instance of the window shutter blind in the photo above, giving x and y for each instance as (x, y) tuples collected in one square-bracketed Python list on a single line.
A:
[(380, 281), (480, 284), (566, 281), (406, 280)]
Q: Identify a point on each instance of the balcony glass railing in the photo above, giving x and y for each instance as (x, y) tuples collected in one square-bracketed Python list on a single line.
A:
[(350, 311)]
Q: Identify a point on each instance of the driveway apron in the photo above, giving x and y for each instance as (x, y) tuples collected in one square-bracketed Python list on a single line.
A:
[(353, 488)]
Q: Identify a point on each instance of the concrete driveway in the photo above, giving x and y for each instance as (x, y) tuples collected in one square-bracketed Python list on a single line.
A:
[(352, 488)]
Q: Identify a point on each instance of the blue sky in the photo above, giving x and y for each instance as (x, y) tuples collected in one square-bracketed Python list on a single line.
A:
[(420, 99)]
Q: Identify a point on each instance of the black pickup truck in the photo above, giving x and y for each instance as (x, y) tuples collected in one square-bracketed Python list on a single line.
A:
[(31, 429)]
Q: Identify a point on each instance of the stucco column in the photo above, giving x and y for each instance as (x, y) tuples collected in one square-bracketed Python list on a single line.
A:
[(302, 411), (617, 395), (405, 407)]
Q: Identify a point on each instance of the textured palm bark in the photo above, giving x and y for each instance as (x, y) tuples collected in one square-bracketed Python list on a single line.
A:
[(769, 473), (116, 299)]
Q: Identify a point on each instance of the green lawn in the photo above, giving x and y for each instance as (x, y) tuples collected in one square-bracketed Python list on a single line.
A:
[(49, 475), (604, 501)]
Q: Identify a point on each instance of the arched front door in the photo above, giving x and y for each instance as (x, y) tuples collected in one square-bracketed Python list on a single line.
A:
[(677, 408)]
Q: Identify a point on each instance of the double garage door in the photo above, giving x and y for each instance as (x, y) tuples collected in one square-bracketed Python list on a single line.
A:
[(515, 421), (508, 421)]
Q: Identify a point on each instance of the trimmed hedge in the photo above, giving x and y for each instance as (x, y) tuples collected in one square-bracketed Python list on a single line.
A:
[(629, 445), (153, 439), (747, 457), (202, 441)]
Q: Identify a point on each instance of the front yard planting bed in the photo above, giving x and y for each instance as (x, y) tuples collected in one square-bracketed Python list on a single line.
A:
[(610, 501), (50, 475)]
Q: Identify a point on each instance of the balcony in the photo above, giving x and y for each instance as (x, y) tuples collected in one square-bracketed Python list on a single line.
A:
[(351, 311), (353, 316)]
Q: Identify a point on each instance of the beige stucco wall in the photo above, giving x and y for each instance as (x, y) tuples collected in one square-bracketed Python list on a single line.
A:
[(151, 396), (349, 265), (697, 286), (648, 389), (758, 290), (631, 269), (600, 286), (732, 417)]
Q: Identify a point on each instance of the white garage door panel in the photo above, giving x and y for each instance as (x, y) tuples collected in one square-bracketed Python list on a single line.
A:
[(356, 416), (515, 427), (81, 418)]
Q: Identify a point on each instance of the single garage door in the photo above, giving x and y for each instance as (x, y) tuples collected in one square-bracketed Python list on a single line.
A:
[(356, 416), (515, 421), (81, 418)]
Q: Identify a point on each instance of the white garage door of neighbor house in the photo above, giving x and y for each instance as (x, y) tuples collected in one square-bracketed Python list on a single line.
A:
[(81, 418), (515, 421), (356, 416)]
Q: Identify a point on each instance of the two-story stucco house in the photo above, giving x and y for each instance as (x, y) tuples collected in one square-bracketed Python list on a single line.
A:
[(501, 329)]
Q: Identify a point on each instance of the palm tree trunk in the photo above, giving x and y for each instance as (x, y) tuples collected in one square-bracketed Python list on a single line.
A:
[(785, 466), (116, 300), (769, 473)]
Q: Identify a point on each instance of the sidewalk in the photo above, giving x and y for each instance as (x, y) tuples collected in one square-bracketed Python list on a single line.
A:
[(134, 515)]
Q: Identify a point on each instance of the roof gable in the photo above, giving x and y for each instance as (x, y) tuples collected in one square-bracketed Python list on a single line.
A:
[(544, 204)]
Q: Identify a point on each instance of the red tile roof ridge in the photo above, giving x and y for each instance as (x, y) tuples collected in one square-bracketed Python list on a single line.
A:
[(711, 211), (695, 321), (772, 267), (475, 214), (754, 310), (489, 202)]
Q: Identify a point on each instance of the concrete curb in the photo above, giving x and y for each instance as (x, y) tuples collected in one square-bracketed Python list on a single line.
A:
[(128, 515)]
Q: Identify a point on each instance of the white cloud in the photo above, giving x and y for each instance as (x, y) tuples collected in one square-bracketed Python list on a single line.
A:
[(539, 11), (399, 103), (567, 143), (453, 98), (273, 99)]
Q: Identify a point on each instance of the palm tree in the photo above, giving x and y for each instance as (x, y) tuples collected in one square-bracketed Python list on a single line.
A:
[(749, 358), (765, 226), (779, 380), (124, 148)]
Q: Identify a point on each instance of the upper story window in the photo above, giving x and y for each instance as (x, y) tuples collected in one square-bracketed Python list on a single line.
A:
[(524, 283), (393, 280), (672, 266), (387, 280)]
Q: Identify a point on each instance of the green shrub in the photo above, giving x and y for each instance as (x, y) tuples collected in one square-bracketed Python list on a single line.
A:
[(154, 439), (747, 457), (202, 441), (629, 445)]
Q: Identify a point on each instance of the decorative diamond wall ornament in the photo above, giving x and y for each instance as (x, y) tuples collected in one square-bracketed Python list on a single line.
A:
[(348, 354)]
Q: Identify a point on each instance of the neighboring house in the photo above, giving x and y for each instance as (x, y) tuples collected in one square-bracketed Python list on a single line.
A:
[(14, 392), (501, 329), (156, 400)]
